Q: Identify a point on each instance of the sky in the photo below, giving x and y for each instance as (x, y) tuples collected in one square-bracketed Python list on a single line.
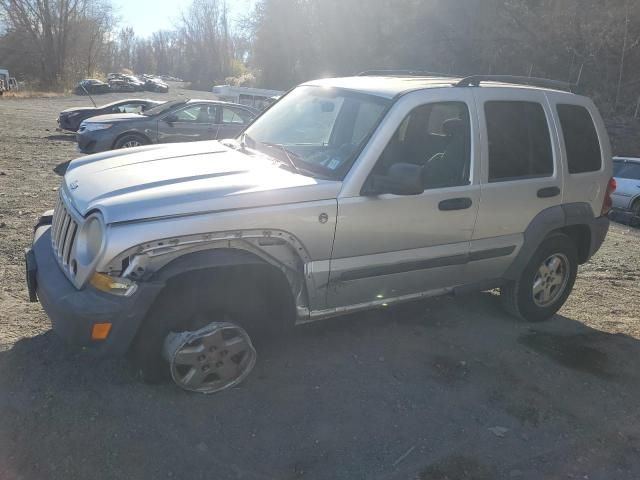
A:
[(148, 16)]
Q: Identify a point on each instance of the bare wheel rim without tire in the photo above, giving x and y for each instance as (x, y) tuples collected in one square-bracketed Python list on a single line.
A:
[(218, 356), (551, 280), (131, 143)]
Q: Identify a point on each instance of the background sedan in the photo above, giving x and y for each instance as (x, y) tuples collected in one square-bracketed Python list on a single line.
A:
[(91, 85), (177, 121)]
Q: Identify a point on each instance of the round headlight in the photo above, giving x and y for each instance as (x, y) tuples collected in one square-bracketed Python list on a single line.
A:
[(90, 238)]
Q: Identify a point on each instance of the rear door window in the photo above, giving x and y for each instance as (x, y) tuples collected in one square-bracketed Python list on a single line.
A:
[(235, 116), (128, 108), (519, 141), (630, 171), (580, 139)]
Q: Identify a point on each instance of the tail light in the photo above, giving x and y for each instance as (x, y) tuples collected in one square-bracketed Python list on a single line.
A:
[(608, 202)]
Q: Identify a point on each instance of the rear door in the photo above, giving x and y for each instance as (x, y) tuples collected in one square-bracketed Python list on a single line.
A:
[(521, 174), (193, 122)]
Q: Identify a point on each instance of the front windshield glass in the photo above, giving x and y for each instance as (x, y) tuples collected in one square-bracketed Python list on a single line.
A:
[(320, 129), (165, 107)]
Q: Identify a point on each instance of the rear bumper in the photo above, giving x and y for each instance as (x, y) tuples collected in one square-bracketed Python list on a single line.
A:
[(599, 229), (74, 312), (64, 123)]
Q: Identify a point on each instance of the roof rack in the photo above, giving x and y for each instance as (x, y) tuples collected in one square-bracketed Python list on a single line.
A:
[(476, 80), (404, 73)]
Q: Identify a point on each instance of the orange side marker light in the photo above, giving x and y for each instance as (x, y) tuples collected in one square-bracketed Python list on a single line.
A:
[(100, 331)]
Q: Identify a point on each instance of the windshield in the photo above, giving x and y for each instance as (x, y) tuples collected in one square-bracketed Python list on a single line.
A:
[(321, 130), (165, 107)]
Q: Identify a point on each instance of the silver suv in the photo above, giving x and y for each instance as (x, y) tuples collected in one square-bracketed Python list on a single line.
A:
[(347, 194)]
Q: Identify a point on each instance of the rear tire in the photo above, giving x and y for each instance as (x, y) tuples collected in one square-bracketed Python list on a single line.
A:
[(188, 303), (130, 140), (634, 221), (545, 283)]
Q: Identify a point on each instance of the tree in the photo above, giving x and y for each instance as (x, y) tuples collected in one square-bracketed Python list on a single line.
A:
[(50, 28)]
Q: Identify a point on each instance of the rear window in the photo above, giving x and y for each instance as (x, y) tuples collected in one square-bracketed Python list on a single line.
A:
[(627, 170), (519, 141), (580, 139)]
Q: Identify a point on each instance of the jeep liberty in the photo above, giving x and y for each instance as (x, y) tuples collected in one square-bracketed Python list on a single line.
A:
[(346, 194)]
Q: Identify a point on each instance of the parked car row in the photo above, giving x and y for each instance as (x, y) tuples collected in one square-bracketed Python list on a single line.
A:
[(136, 122), (120, 83)]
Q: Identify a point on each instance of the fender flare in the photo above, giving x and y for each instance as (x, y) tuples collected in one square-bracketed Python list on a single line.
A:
[(552, 219)]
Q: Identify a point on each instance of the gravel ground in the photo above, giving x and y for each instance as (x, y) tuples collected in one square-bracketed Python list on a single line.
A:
[(451, 388)]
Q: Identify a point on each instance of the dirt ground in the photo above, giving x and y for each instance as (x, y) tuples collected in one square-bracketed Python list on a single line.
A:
[(450, 388)]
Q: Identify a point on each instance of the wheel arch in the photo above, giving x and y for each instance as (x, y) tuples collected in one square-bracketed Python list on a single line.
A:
[(234, 264), (130, 132), (576, 220)]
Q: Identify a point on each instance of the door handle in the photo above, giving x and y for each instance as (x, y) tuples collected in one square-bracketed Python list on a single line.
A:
[(548, 192), (455, 204)]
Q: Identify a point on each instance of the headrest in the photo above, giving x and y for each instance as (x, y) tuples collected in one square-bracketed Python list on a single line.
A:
[(454, 126)]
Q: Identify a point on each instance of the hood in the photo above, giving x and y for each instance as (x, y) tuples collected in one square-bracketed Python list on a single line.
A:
[(117, 117), (78, 110), (184, 179)]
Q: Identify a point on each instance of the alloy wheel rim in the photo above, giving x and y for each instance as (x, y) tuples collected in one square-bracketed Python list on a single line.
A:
[(211, 359), (131, 144), (550, 280)]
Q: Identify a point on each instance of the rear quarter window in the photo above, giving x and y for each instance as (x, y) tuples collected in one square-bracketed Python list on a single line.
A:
[(580, 139)]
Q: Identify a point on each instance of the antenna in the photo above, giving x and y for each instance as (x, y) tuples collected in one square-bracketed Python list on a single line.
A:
[(579, 75), (90, 97)]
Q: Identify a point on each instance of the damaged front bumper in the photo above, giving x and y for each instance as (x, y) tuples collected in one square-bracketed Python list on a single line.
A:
[(73, 313)]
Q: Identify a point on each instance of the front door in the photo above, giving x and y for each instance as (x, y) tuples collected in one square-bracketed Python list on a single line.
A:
[(191, 123), (389, 246)]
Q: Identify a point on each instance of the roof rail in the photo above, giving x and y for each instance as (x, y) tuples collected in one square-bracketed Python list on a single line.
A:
[(407, 73), (476, 80)]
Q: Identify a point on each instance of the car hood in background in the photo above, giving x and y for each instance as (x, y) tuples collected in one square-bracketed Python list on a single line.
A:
[(79, 110), (184, 179), (116, 117)]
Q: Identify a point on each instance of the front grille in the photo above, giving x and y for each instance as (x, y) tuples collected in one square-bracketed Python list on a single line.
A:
[(63, 235)]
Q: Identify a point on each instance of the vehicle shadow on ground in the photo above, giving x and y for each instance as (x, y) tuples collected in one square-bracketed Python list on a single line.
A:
[(64, 137), (61, 168), (445, 388)]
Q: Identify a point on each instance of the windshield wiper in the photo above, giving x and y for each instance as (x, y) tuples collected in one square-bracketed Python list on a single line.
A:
[(247, 141), (287, 155)]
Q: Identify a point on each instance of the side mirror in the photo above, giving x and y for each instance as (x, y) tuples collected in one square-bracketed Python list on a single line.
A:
[(401, 179), (171, 118)]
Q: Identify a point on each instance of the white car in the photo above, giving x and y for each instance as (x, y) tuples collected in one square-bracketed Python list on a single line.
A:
[(626, 198)]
